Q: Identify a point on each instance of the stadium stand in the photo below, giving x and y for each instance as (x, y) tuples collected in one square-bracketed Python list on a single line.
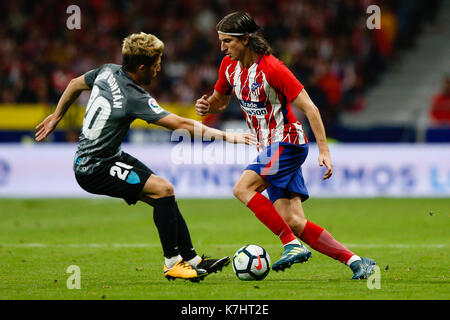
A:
[(325, 43), (399, 106)]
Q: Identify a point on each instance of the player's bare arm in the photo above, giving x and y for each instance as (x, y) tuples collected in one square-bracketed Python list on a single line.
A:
[(216, 103), (69, 96), (304, 103), (174, 122)]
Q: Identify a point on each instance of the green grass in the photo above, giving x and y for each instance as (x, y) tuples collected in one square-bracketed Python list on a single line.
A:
[(119, 254)]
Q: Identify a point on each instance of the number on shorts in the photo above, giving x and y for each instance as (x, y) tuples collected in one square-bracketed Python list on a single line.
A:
[(121, 170)]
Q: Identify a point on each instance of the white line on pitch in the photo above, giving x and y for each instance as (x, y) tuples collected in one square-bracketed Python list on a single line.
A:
[(154, 245)]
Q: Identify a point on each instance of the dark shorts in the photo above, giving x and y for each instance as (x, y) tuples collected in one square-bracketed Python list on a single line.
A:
[(121, 177), (280, 165)]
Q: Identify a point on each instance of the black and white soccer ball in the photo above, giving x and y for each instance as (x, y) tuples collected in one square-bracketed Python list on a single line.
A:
[(251, 262)]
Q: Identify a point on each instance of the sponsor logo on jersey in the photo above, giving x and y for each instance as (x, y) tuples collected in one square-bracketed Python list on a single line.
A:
[(255, 86), (154, 105), (252, 108)]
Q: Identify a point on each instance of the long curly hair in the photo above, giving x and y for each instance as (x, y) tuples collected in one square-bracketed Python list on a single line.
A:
[(242, 24)]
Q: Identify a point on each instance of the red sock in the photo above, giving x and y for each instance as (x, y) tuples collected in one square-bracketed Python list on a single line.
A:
[(267, 214), (321, 240)]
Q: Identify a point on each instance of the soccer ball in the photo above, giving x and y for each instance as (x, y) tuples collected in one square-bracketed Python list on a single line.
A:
[(251, 262)]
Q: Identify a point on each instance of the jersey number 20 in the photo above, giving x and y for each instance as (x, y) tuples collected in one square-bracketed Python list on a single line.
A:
[(98, 111)]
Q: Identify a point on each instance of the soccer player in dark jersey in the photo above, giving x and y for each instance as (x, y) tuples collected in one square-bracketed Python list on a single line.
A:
[(116, 100), (266, 88)]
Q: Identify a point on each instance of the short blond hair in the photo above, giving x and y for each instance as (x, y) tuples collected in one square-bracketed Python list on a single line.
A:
[(140, 48)]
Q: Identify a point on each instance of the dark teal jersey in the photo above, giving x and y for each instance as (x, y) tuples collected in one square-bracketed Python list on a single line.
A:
[(115, 102)]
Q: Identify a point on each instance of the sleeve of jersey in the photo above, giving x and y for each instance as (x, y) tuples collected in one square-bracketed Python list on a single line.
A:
[(146, 108), (89, 77), (284, 81), (222, 85)]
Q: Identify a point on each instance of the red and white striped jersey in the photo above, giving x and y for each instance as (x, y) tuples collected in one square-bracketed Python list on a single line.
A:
[(264, 91)]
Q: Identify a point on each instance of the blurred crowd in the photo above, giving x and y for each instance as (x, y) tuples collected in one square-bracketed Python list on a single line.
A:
[(326, 43), (440, 104)]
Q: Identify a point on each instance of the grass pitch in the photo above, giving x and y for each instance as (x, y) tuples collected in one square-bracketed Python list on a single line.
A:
[(119, 255)]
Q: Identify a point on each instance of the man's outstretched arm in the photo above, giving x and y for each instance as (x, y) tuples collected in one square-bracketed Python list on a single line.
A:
[(197, 129), (69, 96)]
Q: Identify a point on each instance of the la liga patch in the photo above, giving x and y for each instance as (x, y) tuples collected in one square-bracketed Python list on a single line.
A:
[(154, 105)]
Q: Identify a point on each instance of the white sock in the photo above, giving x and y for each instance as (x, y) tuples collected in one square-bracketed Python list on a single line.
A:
[(353, 259), (170, 262), (295, 241), (195, 261)]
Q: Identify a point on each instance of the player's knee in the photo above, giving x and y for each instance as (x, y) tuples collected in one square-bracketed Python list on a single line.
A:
[(239, 191), (158, 187), (166, 190)]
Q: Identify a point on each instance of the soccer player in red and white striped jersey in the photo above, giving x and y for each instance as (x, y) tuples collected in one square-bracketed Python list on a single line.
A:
[(266, 90)]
